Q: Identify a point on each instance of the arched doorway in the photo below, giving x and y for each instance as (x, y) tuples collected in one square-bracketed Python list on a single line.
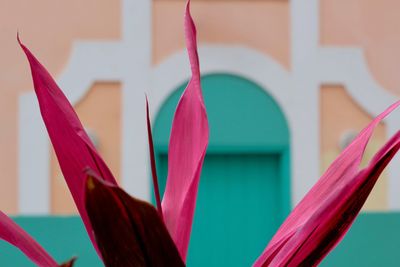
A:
[(244, 188)]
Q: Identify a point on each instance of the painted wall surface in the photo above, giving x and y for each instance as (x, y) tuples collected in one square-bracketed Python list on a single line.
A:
[(264, 26), (62, 237), (100, 113), (373, 241), (348, 119), (49, 28), (286, 43), (371, 25)]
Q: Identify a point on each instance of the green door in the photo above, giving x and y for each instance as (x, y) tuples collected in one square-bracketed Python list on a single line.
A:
[(244, 187)]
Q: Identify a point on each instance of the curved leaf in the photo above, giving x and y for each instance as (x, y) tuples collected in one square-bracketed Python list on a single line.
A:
[(187, 148), (72, 145), (153, 161), (15, 235), (323, 231), (324, 215)]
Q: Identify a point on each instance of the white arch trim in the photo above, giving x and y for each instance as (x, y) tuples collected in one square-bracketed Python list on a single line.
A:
[(237, 60), (348, 66), (249, 64), (128, 61), (314, 65)]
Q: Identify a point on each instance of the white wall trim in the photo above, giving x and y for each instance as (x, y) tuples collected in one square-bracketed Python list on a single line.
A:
[(235, 60), (129, 61), (34, 159), (348, 67), (304, 42)]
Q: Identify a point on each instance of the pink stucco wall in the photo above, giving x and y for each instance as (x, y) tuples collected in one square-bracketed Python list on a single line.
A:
[(49, 28)]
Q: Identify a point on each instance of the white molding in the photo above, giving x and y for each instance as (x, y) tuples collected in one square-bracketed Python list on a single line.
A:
[(136, 59), (34, 159), (314, 65), (129, 61), (236, 60), (306, 127), (348, 67), (34, 148)]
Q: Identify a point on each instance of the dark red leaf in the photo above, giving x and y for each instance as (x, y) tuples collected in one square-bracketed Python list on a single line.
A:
[(153, 161), (129, 232), (69, 263)]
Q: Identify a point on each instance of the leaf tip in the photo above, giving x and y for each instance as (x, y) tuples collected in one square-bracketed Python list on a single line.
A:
[(69, 263), (19, 41)]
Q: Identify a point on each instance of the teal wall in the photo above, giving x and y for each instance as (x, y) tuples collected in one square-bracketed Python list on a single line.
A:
[(62, 237), (241, 116), (373, 241)]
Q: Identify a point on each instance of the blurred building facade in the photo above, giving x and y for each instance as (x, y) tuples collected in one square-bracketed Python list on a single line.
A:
[(287, 84)]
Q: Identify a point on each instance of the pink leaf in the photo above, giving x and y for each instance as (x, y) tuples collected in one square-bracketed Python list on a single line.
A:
[(72, 145), (325, 214), (187, 148), (15, 235)]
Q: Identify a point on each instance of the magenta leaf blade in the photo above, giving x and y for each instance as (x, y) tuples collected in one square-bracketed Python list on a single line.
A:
[(187, 148), (325, 214), (72, 146), (153, 161), (15, 235)]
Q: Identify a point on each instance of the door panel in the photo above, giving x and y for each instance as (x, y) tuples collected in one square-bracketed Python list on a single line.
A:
[(238, 208)]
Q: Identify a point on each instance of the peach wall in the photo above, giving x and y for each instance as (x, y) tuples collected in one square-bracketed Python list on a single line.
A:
[(100, 113), (48, 28), (339, 114), (264, 25), (372, 25), (261, 25)]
